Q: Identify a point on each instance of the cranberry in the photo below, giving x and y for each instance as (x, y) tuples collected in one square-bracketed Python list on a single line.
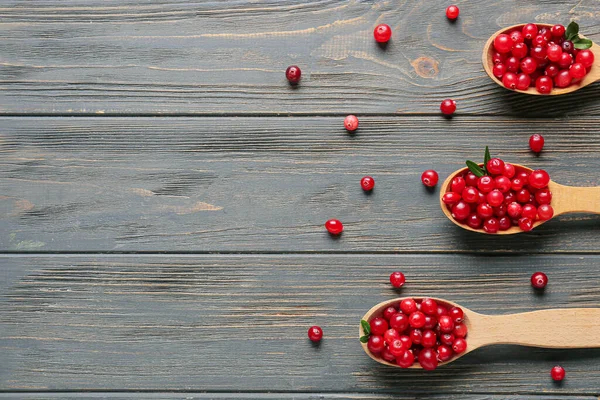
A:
[(471, 179), (563, 79), (334, 226), (429, 306), (390, 335), (499, 70), (502, 183), (498, 58), (577, 71), (408, 306), (397, 279), (517, 184), (378, 326), (491, 225), (495, 166), (495, 198), (415, 335), (351, 123), (447, 339), (470, 195), (585, 57), (451, 198), (446, 323), (523, 82), (529, 211), (500, 211), (520, 50), (460, 330), (428, 359), (567, 46), (448, 107), (429, 338), (514, 210), (557, 31), (530, 31), (545, 32), (375, 344), (430, 322), (512, 64), (528, 65), (406, 360), (525, 224), (484, 210), (509, 80), (407, 341), (545, 212), (389, 312), (315, 333), (538, 53), (551, 70), (452, 12), (457, 185), (459, 345), (486, 184), (557, 373), (474, 221), (565, 60), (516, 36), (417, 319), (382, 33), (539, 40), (536, 142), (539, 179), (293, 74), (539, 280), (429, 178), (543, 84), (509, 170), (503, 43), (509, 198), (460, 211), (397, 348), (387, 356), (504, 223), (457, 314), (523, 196), (554, 52), (399, 322), (543, 196)]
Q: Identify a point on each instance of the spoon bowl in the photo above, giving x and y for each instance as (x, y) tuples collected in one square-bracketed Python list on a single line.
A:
[(565, 199), (560, 328), (591, 77)]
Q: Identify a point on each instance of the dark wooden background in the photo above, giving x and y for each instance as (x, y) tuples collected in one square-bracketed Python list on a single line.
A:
[(163, 192)]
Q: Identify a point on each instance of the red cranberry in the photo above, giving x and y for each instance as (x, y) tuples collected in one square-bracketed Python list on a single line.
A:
[(498, 58), (446, 323), (429, 178), (441, 310), (451, 198), (452, 12), (495, 198), (408, 306), (500, 211), (509, 80), (387, 356), (484, 210), (557, 373), (293, 74), (407, 341), (429, 338), (516, 36), (457, 185), (429, 306), (495, 166), (523, 82), (390, 335), (543, 196), (460, 211), (520, 50), (545, 212), (471, 179), (499, 70), (378, 326), (517, 184), (415, 335), (417, 319), (444, 353), (539, 280), (389, 312), (447, 339), (529, 211), (509, 198), (474, 221), (567, 46), (459, 345), (539, 40), (577, 71), (460, 330), (554, 52), (397, 279), (557, 31), (502, 183), (470, 195), (543, 84), (512, 64), (538, 53), (536, 142), (514, 210), (448, 107), (565, 60), (428, 359), (399, 322), (509, 170), (503, 43), (430, 322), (551, 70), (523, 196), (367, 183), (504, 223), (545, 32), (351, 123), (334, 226), (457, 314), (585, 57), (397, 348), (530, 31), (315, 333), (486, 184), (528, 65), (539, 179), (375, 344), (525, 224), (382, 33), (491, 225), (406, 360), (563, 79)]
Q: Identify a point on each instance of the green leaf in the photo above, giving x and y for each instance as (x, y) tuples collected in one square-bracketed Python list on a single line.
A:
[(366, 327), (364, 339), (582, 44), (486, 158), (572, 30), (475, 169)]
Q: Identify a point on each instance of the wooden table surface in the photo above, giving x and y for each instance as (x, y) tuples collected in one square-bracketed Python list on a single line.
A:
[(163, 192)]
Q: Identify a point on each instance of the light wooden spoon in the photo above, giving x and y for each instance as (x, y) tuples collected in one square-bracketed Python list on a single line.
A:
[(591, 77), (558, 328), (565, 199)]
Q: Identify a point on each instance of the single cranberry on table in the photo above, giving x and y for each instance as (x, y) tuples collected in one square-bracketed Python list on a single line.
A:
[(315, 333), (397, 279), (536, 142), (382, 33), (448, 107), (452, 12), (557, 373), (293, 74), (334, 226), (430, 178), (351, 123), (539, 280), (367, 183)]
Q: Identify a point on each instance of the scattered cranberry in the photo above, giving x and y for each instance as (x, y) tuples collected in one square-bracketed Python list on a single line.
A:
[(448, 107), (315, 333), (397, 279), (293, 74), (351, 123), (539, 280), (536, 142), (452, 12), (429, 178), (367, 183), (334, 226), (382, 33), (557, 373)]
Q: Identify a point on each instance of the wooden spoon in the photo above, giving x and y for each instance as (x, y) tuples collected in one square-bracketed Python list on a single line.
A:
[(558, 328), (565, 199), (591, 77)]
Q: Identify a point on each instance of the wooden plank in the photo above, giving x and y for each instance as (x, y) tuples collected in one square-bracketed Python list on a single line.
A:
[(173, 57), (188, 322), (268, 184)]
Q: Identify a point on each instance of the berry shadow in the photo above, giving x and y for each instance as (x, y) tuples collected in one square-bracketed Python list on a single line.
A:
[(430, 190), (383, 46)]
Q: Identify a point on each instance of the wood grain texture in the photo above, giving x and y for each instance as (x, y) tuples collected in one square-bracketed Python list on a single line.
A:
[(279, 396), (269, 184), (187, 322), (214, 57)]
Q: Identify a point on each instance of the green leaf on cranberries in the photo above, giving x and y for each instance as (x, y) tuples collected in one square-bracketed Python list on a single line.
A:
[(486, 158), (582, 44), (572, 30), (366, 327), (364, 339), (475, 169)]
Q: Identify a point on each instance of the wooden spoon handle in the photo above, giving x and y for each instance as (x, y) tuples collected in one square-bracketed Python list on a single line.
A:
[(566, 328), (577, 199)]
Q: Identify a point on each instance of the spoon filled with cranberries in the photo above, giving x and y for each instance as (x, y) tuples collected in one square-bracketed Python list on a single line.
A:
[(541, 59), (425, 332), (501, 198)]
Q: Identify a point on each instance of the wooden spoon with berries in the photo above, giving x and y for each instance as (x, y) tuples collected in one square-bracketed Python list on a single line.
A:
[(503, 39), (559, 328)]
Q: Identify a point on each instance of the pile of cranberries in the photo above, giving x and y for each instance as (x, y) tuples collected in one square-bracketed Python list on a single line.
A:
[(422, 330), (505, 197), (539, 57)]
